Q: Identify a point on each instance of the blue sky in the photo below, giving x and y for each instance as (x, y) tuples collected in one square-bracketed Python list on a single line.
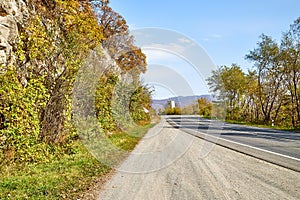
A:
[(227, 30)]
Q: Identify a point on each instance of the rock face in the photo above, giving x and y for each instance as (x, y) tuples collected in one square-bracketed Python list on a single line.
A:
[(13, 13)]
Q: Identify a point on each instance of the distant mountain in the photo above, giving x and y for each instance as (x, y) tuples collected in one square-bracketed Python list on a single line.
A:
[(180, 101)]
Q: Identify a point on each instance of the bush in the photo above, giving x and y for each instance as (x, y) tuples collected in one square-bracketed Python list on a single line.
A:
[(172, 111), (19, 110)]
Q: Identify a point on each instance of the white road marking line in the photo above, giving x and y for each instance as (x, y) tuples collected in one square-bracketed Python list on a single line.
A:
[(264, 150)]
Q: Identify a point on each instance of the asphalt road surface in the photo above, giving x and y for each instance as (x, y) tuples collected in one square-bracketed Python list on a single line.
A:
[(169, 163), (281, 142)]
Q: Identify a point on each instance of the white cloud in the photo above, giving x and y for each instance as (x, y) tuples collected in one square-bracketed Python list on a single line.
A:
[(156, 55), (171, 48), (212, 37), (217, 36)]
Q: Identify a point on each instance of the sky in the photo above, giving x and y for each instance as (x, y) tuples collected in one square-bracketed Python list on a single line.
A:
[(226, 30)]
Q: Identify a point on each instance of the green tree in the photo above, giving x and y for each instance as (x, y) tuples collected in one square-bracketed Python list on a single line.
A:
[(229, 84), (54, 45), (205, 107), (268, 92), (35, 103), (270, 76), (190, 109), (103, 100), (251, 111), (169, 110), (290, 59), (140, 104), (130, 96)]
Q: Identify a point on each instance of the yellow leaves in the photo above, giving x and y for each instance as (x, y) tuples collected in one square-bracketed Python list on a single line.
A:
[(80, 18)]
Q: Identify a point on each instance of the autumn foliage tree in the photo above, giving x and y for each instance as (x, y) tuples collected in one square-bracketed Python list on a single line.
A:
[(205, 107), (36, 94), (128, 97), (268, 93)]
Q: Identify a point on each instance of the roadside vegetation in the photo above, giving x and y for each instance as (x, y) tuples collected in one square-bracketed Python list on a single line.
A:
[(67, 177), (41, 156), (202, 107), (267, 95)]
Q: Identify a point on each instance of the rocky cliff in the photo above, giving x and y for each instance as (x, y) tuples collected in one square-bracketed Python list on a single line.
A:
[(13, 14)]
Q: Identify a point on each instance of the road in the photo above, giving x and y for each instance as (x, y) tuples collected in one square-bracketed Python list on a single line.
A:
[(283, 142), (169, 163), (279, 147)]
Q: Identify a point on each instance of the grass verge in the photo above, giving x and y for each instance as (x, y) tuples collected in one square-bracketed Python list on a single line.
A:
[(64, 178), (127, 142), (264, 126)]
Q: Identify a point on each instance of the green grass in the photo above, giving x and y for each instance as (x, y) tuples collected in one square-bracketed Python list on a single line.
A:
[(64, 178), (127, 142), (264, 126)]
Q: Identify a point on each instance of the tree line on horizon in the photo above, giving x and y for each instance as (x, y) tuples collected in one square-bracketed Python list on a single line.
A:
[(202, 107)]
